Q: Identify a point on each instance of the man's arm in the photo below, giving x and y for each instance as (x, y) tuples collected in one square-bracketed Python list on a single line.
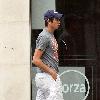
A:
[(38, 62)]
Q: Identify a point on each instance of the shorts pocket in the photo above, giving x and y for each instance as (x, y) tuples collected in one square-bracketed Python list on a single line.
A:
[(42, 81)]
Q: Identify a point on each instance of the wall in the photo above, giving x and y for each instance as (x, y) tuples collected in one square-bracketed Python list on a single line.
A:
[(14, 50)]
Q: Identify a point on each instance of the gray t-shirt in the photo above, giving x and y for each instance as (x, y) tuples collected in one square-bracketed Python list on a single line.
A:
[(48, 44)]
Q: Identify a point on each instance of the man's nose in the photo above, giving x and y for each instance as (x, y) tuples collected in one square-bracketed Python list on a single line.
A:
[(59, 22)]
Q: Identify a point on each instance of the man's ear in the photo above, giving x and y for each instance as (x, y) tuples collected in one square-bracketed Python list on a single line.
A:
[(48, 21)]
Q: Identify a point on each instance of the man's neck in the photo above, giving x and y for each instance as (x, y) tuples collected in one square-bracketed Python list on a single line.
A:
[(50, 30)]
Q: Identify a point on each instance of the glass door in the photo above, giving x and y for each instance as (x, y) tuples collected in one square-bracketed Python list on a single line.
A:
[(79, 45)]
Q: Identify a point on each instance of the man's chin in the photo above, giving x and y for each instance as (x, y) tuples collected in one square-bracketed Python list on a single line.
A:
[(57, 27)]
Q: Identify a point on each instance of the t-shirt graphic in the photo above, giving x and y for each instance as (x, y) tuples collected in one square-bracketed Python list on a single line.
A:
[(55, 48)]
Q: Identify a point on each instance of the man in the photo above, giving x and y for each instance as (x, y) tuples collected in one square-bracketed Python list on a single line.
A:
[(46, 59)]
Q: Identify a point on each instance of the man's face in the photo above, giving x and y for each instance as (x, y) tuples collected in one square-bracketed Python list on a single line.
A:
[(55, 24)]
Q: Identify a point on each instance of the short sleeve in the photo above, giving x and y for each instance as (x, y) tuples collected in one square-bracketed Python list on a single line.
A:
[(42, 43)]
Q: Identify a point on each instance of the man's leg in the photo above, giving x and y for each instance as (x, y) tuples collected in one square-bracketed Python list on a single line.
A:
[(59, 89), (43, 84), (56, 90), (48, 88)]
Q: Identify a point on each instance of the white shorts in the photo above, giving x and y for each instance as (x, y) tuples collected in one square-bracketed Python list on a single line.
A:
[(48, 88)]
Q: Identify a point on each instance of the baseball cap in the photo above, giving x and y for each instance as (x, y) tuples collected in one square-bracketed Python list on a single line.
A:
[(52, 14)]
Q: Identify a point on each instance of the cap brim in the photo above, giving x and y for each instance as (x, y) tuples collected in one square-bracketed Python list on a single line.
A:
[(60, 16)]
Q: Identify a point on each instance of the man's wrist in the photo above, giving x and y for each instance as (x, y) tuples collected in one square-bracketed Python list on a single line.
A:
[(52, 71)]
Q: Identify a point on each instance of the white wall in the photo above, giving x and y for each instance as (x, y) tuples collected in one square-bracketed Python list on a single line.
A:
[(39, 7), (14, 50)]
